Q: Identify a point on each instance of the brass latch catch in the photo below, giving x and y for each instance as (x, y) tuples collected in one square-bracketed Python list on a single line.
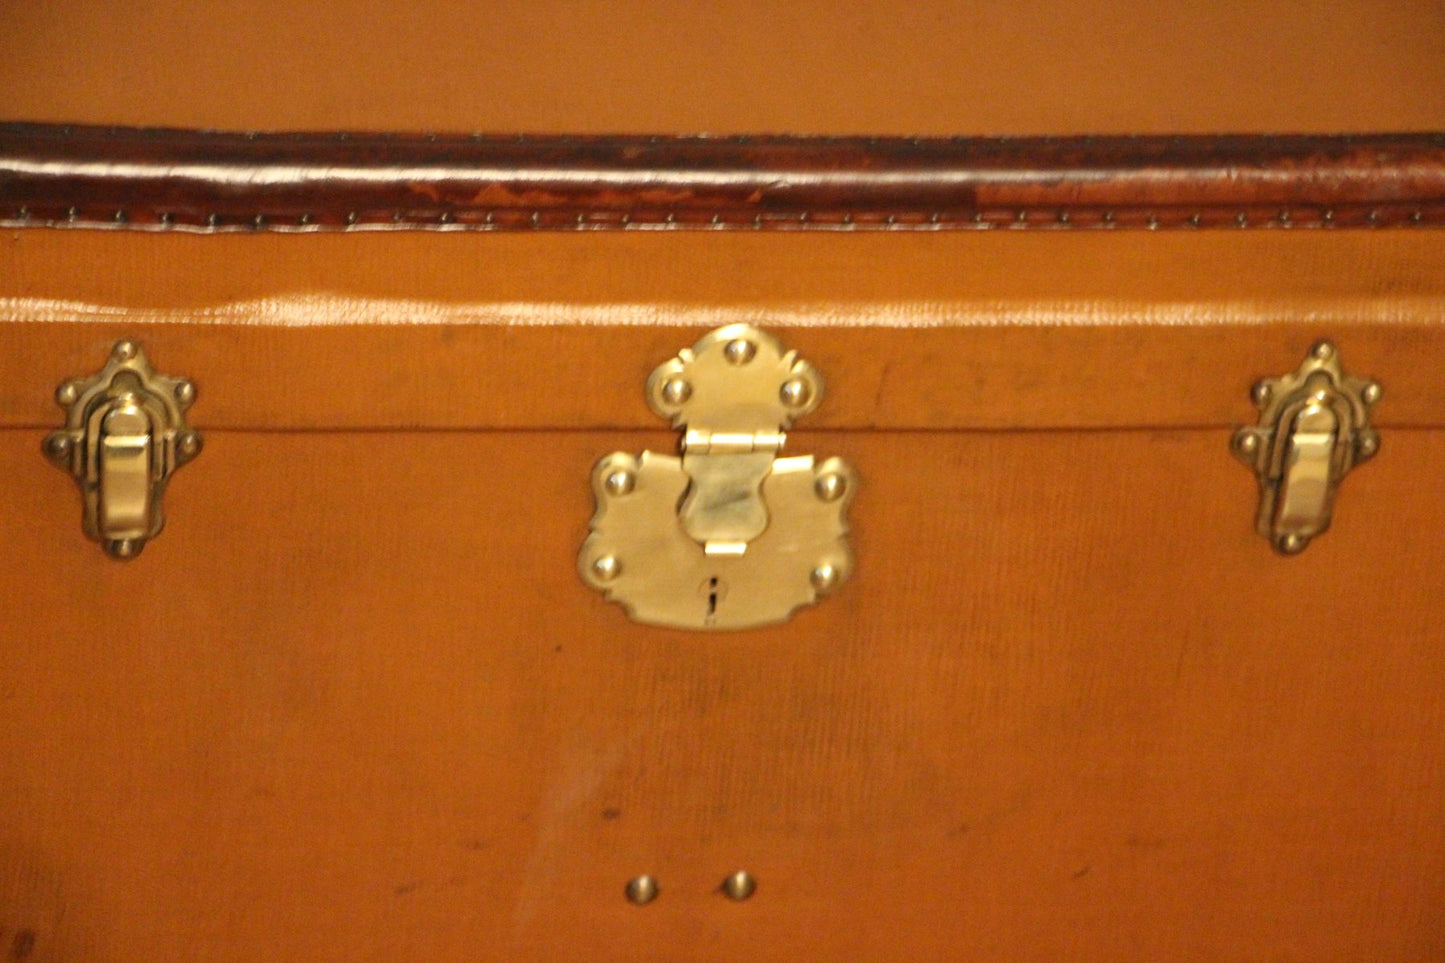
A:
[(125, 433), (731, 534), (1314, 426)]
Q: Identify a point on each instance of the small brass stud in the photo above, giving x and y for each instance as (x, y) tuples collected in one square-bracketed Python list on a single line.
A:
[(189, 445), (795, 392), (620, 482), (1367, 446), (740, 351), (185, 393), (1372, 393), (1323, 351), (824, 577), (642, 890), (67, 393), (124, 548), (1261, 393), (57, 446), (124, 350), (1292, 544), (830, 487), (676, 391), (1247, 442), (607, 568), (740, 885)]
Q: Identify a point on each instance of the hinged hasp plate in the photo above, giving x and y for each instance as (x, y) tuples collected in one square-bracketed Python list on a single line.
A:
[(730, 535), (125, 433), (1314, 426)]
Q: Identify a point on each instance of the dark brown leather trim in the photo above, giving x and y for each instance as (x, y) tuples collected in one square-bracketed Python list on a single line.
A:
[(161, 179)]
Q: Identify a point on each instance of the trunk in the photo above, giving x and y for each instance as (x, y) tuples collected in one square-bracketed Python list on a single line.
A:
[(355, 700)]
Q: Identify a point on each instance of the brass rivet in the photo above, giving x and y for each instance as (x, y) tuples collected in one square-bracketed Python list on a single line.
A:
[(740, 351), (830, 487), (67, 393), (189, 444), (124, 547), (1261, 393), (675, 391), (185, 393), (824, 577), (1367, 445), (1372, 392), (607, 567), (642, 890), (620, 482), (1292, 544), (740, 885), (1323, 351), (795, 392), (58, 447), (1247, 443), (124, 350)]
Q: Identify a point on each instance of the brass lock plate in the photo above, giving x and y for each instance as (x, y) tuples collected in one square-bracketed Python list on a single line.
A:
[(730, 535), (1314, 426), (125, 434)]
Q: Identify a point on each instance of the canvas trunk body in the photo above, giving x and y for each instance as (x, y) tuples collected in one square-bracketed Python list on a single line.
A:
[(356, 701)]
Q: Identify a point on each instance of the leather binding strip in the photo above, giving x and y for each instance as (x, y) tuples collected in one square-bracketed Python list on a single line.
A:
[(206, 181)]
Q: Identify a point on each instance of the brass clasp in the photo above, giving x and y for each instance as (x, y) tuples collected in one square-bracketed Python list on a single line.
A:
[(125, 433), (1314, 427), (731, 535)]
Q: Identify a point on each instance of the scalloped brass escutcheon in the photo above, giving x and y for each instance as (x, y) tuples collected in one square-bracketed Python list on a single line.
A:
[(730, 535), (125, 434), (1314, 426)]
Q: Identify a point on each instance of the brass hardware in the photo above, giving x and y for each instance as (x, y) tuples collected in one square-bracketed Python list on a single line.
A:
[(125, 433), (642, 890), (740, 885), (1314, 426), (730, 535)]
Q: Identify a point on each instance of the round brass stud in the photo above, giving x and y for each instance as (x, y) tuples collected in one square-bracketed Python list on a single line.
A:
[(189, 444), (57, 446), (607, 567), (795, 392), (740, 351), (740, 885), (124, 547), (675, 391), (620, 482), (1367, 446), (1261, 393), (824, 577), (830, 487), (642, 890), (1371, 393), (185, 393), (1247, 442), (124, 350), (67, 393), (1323, 351), (1292, 544)]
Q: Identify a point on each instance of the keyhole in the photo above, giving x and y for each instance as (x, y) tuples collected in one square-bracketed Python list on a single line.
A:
[(715, 590)]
